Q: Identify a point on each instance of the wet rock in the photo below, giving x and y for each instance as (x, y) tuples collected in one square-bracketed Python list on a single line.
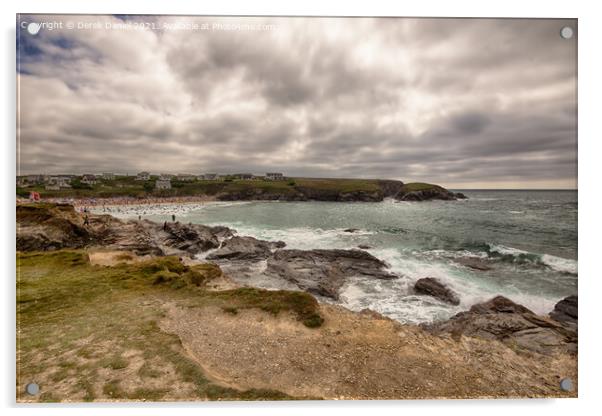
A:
[(351, 230), (433, 287), (323, 272), (512, 324), (364, 247), (243, 248), (474, 263), (192, 238), (566, 310)]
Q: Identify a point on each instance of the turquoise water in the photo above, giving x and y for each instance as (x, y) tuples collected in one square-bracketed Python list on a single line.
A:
[(528, 238)]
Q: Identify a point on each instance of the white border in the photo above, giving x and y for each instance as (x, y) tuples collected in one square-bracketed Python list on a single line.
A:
[(590, 68)]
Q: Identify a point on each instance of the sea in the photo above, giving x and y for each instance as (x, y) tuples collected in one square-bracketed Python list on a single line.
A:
[(527, 239)]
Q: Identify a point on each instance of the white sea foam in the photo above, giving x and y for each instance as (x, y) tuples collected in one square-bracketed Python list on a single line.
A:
[(560, 264), (556, 263), (305, 238), (393, 298)]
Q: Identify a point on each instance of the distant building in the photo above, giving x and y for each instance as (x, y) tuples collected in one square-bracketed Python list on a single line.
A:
[(184, 177), (210, 176), (89, 179), (35, 179), (59, 181), (245, 176), (163, 184), (143, 176), (52, 187), (108, 176), (166, 176), (274, 176)]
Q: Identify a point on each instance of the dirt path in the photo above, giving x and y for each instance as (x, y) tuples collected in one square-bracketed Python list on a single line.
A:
[(358, 356)]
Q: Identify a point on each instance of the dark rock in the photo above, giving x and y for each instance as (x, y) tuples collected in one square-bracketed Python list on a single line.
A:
[(50, 227), (141, 237), (242, 248), (323, 272), (277, 244), (498, 304), (512, 324), (426, 192), (427, 195), (566, 310), (474, 263), (192, 238), (432, 287), (390, 187), (56, 226), (364, 247), (351, 230)]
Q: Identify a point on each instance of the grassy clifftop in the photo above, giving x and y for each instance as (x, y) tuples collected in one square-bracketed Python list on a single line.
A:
[(90, 332), (232, 189)]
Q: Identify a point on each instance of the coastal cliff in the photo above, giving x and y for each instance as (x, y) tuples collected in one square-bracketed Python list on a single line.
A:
[(419, 191), (134, 302), (292, 189)]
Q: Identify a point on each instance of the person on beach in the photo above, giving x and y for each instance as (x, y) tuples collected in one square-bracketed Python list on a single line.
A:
[(173, 217), (86, 221), (165, 226)]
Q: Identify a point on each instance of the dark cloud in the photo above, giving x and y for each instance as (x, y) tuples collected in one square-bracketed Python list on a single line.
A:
[(461, 102)]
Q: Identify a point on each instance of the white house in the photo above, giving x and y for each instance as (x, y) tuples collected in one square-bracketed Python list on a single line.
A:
[(245, 176), (89, 179), (210, 176), (108, 176), (184, 177), (58, 182), (274, 176), (163, 184), (143, 176)]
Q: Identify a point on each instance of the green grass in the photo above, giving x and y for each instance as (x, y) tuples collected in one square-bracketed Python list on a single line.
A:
[(127, 186), (418, 186), (83, 327)]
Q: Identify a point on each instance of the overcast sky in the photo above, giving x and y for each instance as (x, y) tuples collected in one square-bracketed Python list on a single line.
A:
[(466, 103)]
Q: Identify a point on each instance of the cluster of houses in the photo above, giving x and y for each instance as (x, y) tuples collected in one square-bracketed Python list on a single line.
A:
[(58, 182), (164, 180), (55, 183)]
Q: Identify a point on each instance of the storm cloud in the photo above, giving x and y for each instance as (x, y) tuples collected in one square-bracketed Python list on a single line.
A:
[(467, 103)]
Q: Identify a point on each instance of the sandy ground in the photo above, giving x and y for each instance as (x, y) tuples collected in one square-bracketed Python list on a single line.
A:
[(358, 356), (111, 258)]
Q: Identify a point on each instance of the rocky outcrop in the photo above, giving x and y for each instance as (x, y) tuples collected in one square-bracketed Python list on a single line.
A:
[(56, 226), (433, 287), (566, 310), (50, 227), (512, 324), (245, 248), (191, 238), (426, 192), (140, 237), (323, 272), (390, 187)]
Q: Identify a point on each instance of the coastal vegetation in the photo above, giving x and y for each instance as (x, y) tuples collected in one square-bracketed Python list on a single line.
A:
[(228, 188), (90, 332)]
